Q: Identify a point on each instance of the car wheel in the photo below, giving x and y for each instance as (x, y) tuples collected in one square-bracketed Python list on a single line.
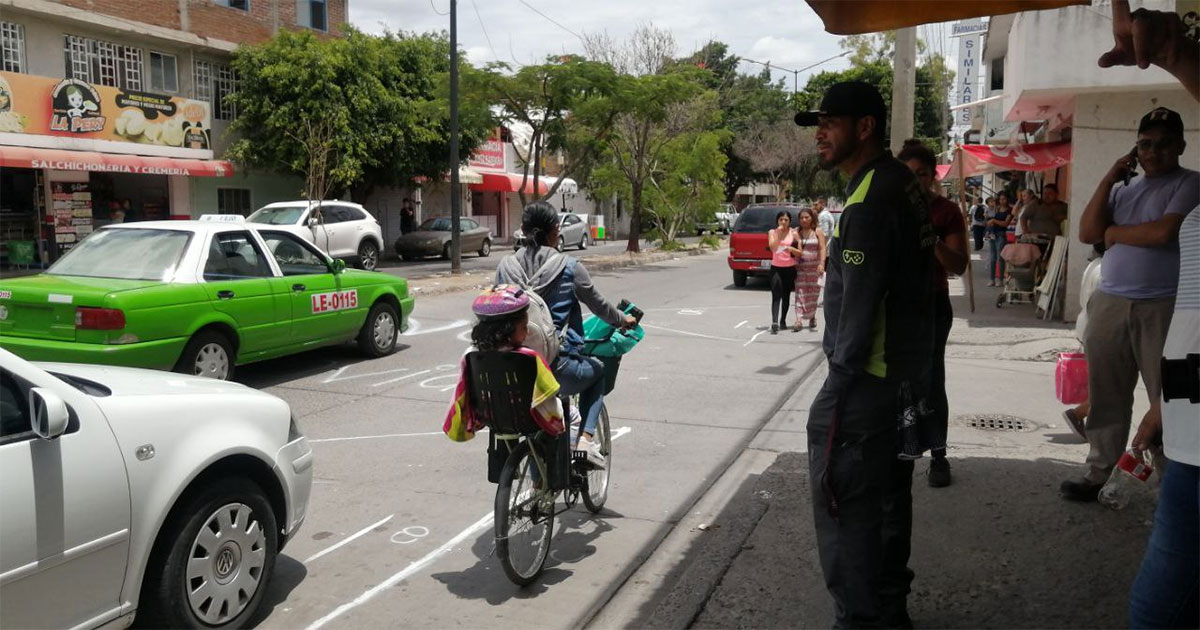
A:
[(739, 279), (485, 250), (583, 242), (377, 337), (210, 354), (562, 243), (368, 256), (219, 554)]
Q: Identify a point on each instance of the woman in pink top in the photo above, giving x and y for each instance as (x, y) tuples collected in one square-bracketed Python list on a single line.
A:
[(783, 268), (810, 256)]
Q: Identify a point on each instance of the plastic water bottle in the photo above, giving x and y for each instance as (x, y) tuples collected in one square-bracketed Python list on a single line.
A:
[(1127, 476)]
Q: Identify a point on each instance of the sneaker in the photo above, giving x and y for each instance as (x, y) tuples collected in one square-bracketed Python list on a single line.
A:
[(1081, 490), (592, 450), (774, 329), (1075, 423), (939, 472)]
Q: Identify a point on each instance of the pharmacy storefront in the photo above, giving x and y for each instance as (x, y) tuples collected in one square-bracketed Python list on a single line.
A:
[(75, 156)]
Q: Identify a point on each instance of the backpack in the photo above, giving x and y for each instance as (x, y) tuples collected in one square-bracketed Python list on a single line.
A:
[(544, 338), (979, 212)]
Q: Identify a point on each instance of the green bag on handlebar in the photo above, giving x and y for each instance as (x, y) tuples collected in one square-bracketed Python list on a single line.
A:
[(601, 339)]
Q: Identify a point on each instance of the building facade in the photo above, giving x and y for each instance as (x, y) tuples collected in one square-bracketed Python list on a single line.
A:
[(113, 107)]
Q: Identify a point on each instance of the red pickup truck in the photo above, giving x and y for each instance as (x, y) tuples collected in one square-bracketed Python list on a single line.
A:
[(748, 251)]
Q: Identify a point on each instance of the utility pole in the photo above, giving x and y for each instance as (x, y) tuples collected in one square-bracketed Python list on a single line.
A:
[(904, 79), (455, 198)]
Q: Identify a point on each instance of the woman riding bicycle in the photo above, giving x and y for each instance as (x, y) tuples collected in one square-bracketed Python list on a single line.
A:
[(563, 282)]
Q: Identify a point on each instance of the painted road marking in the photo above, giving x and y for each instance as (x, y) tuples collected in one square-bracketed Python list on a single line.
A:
[(345, 541), (684, 332), (414, 532), (741, 323), (413, 568), (415, 327), (690, 311), (401, 378), (756, 336), (337, 374)]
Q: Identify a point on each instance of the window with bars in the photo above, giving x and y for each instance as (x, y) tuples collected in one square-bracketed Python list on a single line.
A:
[(233, 201), (215, 83), (12, 47), (163, 75), (313, 14), (244, 5), (103, 63)]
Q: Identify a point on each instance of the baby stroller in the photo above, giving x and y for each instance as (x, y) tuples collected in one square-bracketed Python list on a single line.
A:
[(1025, 265)]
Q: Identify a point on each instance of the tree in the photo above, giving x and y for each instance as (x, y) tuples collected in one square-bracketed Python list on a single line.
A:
[(567, 103), (384, 99), (685, 184), (777, 150)]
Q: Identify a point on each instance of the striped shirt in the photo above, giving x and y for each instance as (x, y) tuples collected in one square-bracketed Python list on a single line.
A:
[(1181, 418)]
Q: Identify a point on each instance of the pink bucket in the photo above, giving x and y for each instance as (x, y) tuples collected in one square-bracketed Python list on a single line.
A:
[(1071, 378)]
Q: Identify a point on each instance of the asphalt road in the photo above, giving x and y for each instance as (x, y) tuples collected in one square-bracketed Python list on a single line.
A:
[(399, 530), (472, 261)]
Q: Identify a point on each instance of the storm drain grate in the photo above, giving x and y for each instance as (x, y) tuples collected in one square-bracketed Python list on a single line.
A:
[(996, 422)]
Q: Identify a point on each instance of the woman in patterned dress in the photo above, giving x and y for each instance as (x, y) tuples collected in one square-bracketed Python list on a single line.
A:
[(810, 264)]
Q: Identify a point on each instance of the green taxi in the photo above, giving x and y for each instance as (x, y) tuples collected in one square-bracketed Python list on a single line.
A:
[(198, 297)]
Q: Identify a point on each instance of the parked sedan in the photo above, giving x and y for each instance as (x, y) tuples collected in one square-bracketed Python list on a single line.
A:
[(432, 238), (199, 297), (572, 232), (131, 492), (342, 229)]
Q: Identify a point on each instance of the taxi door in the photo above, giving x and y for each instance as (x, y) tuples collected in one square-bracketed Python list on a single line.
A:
[(316, 298), (238, 281)]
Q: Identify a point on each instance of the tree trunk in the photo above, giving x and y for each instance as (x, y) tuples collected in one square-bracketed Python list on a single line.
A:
[(635, 219)]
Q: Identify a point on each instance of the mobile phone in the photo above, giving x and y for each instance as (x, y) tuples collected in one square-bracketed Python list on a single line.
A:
[(1132, 167)]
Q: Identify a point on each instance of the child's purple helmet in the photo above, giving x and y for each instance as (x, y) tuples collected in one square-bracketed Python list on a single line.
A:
[(500, 301)]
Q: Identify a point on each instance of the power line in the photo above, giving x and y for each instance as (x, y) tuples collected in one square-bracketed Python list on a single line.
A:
[(552, 20), (485, 33), (435, 9)]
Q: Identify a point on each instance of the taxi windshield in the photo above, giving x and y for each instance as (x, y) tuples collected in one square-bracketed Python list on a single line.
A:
[(125, 253), (441, 224), (285, 215)]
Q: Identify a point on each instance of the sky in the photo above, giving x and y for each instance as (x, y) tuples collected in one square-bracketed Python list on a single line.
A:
[(785, 33)]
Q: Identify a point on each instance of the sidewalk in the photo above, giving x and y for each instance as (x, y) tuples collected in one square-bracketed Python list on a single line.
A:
[(998, 548)]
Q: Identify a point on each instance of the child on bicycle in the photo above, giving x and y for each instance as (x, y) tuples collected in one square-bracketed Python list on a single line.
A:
[(503, 312)]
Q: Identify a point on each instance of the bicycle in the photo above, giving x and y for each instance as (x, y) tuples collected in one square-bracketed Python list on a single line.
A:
[(538, 467)]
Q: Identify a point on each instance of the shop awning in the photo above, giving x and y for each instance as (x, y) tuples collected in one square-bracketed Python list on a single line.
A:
[(567, 187), (977, 159), (64, 160), (942, 170), (851, 17), (510, 182)]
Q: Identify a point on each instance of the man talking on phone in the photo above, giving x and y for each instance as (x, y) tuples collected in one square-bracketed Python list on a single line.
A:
[(1137, 217)]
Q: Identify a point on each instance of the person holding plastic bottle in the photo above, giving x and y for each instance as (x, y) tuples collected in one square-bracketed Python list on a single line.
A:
[(1166, 591)]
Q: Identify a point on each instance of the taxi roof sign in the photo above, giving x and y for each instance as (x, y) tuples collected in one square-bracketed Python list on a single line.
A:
[(223, 218)]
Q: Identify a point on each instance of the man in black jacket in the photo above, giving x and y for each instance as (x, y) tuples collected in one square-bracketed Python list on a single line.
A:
[(878, 342)]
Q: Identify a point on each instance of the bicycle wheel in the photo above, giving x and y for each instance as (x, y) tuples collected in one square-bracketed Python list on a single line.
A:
[(524, 517), (595, 485)]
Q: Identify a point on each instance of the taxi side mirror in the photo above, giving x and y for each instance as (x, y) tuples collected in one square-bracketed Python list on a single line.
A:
[(337, 266)]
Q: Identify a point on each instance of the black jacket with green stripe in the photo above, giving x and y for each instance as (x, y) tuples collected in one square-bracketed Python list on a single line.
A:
[(878, 292)]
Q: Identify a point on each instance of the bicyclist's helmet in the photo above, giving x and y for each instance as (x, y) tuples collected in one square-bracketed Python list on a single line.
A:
[(500, 301)]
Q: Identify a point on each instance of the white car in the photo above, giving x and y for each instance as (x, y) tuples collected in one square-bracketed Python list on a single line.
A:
[(344, 230), (132, 492), (572, 232)]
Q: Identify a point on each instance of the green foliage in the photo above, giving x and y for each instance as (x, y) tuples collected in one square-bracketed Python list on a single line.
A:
[(710, 240), (672, 246), (568, 102), (385, 99)]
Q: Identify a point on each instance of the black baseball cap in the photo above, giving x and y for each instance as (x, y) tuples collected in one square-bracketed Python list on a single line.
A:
[(1161, 116), (848, 98)]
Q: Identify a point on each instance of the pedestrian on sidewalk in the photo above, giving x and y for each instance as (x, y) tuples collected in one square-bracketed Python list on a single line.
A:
[(1129, 314), (783, 268), (950, 256), (1045, 216), (978, 222), (810, 264), (998, 227), (878, 342), (824, 217), (1166, 592)]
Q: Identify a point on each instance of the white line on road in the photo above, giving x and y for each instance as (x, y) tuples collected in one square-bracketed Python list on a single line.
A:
[(412, 569), (690, 334), (373, 437), (337, 375), (756, 336), (415, 327), (741, 323), (345, 541), (401, 378)]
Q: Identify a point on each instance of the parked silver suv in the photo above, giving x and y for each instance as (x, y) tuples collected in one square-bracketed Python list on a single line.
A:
[(343, 229)]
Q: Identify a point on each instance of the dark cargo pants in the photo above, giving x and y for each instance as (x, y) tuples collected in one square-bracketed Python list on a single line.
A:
[(864, 549)]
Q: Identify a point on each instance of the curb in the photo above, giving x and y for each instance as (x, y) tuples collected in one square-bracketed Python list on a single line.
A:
[(441, 285)]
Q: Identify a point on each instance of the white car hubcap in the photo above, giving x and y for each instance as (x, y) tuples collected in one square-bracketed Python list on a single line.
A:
[(385, 330), (369, 257), (225, 564), (212, 361)]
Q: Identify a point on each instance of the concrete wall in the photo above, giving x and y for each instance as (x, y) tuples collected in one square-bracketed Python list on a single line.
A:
[(264, 188), (1105, 129), (209, 19)]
